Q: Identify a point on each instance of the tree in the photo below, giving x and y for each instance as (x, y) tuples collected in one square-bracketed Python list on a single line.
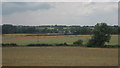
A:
[(8, 28), (101, 35)]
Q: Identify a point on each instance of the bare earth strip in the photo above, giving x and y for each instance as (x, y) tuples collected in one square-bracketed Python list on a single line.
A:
[(59, 56)]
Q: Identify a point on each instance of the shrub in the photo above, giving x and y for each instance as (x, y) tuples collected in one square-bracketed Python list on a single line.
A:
[(61, 44), (9, 44), (39, 45), (78, 42), (65, 44)]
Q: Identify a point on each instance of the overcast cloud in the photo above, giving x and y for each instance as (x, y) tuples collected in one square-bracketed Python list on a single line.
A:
[(67, 13), (60, 0)]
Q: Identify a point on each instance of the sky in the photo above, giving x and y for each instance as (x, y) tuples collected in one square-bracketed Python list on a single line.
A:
[(60, 0), (61, 13)]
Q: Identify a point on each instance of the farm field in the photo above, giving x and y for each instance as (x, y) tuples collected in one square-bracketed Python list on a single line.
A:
[(59, 56), (56, 56), (22, 39)]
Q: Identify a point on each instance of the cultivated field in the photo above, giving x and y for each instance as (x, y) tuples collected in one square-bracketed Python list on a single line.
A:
[(22, 39), (59, 56), (56, 56)]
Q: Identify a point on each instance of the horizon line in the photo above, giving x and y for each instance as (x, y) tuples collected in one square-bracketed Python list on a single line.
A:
[(55, 25)]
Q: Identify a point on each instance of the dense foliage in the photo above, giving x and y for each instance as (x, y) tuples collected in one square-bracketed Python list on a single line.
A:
[(78, 42), (101, 35), (60, 29)]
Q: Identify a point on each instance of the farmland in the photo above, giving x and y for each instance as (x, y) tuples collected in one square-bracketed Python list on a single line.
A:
[(56, 56), (59, 56), (22, 39)]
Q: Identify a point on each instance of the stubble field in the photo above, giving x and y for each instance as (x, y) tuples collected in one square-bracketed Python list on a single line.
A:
[(56, 56), (59, 56)]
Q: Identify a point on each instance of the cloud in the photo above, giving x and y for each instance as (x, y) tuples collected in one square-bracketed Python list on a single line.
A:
[(13, 7), (60, 0), (77, 13)]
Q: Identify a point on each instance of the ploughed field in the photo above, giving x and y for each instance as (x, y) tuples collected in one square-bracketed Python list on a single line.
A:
[(24, 39), (59, 56)]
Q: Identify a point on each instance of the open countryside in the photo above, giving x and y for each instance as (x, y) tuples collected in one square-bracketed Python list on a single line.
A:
[(56, 56), (60, 34), (66, 50), (22, 39)]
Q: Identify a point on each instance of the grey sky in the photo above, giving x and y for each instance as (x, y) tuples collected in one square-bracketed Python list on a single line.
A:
[(67, 13), (60, 0)]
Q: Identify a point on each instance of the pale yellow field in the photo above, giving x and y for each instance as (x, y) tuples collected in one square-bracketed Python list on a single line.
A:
[(59, 56)]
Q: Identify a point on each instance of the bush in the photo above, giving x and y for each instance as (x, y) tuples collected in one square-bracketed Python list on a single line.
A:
[(61, 44), (65, 44), (9, 44), (78, 42), (111, 46), (39, 45)]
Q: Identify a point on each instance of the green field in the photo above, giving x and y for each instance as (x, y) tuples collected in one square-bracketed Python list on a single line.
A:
[(69, 39)]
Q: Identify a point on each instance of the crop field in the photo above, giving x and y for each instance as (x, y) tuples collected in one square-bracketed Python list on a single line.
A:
[(22, 39), (59, 56), (56, 56)]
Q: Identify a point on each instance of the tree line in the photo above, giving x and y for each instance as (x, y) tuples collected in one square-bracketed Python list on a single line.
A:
[(75, 30), (101, 34)]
